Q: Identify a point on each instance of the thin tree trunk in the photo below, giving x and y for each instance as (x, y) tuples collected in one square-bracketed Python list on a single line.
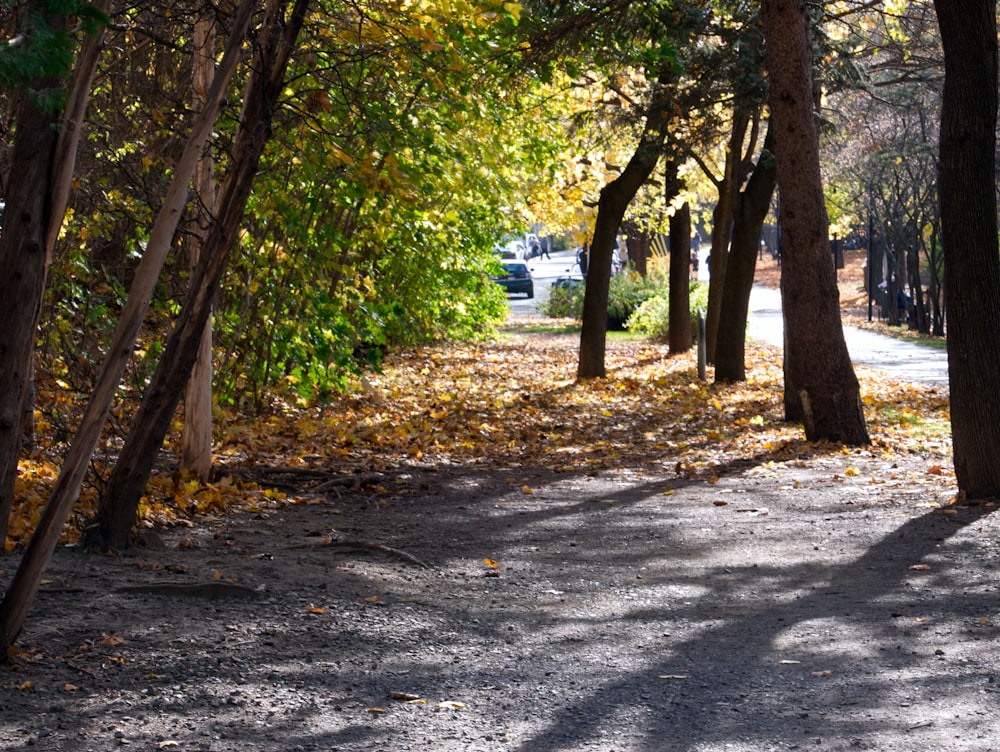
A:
[(722, 226), (818, 363), (24, 585), (969, 236), (120, 500), (751, 208), (196, 435), (680, 336)]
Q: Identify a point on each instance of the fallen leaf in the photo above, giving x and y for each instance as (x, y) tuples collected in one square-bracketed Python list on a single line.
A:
[(315, 609), (374, 710), (720, 503), (527, 489), (404, 696), (935, 470), (169, 744), (822, 673), (919, 567), (673, 676), (25, 685), (490, 563), (372, 599), (67, 687), (789, 663), (450, 705)]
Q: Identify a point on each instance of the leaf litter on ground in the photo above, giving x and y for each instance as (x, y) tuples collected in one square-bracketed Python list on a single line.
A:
[(516, 402)]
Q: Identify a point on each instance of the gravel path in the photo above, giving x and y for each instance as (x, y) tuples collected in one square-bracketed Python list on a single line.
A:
[(819, 604)]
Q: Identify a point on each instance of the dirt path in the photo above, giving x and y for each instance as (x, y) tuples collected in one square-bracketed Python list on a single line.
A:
[(805, 604)]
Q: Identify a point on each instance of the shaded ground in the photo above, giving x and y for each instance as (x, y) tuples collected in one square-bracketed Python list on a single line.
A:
[(812, 603)]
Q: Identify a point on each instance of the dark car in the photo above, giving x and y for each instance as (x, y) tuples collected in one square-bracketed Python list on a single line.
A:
[(516, 278)]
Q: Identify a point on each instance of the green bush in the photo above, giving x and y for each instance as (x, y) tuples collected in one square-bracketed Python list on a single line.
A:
[(652, 317), (565, 303)]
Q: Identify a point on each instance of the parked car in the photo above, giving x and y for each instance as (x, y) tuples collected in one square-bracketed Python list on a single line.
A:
[(569, 283), (516, 278)]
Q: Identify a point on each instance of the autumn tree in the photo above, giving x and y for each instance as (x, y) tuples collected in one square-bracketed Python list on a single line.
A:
[(967, 188), (819, 376)]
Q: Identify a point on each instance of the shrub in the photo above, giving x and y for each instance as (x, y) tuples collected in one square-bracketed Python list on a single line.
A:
[(652, 317)]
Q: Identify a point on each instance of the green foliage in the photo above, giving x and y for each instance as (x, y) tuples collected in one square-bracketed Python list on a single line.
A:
[(627, 291), (652, 317), (565, 303)]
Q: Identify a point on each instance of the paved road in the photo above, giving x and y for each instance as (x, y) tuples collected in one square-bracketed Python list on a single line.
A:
[(901, 360)]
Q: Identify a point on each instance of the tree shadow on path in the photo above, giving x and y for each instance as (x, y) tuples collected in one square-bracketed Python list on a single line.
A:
[(848, 660)]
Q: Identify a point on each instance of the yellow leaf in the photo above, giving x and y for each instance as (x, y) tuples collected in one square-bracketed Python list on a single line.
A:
[(852, 471), (374, 710), (216, 574), (527, 489), (372, 599), (25, 685), (451, 705), (490, 563), (315, 609)]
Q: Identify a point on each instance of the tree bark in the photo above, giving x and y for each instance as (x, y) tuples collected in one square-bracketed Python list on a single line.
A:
[(116, 514), (967, 188), (722, 226), (196, 435), (43, 160), (818, 362), (748, 218), (680, 337), (24, 585), (611, 206)]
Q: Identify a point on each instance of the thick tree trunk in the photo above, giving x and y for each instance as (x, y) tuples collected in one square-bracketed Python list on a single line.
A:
[(18, 599), (43, 161), (23, 270), (614, 200), (119, 503), (969, 235), (751, 208), (680, 337), (818, 362)]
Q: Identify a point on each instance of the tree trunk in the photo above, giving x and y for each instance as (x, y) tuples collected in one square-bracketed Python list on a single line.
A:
[(680, 336), (18, 599), (43, 161), (749, 212), (969, 236), (614, 200), (722, 226), (196, 436), (817, 358), (116, 514)]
